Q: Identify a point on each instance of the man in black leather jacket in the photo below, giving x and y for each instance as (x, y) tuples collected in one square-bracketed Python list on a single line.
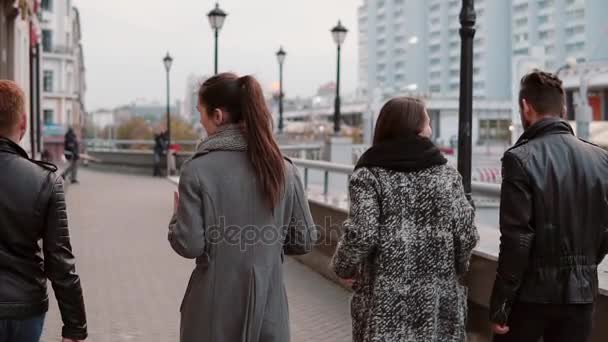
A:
[(32, 210), (553, 222)]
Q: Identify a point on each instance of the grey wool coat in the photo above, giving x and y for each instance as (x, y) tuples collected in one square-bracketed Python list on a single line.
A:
[(408, 238), (236, 291)]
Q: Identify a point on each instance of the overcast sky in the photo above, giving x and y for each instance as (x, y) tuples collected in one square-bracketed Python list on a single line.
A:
[(125, 41)]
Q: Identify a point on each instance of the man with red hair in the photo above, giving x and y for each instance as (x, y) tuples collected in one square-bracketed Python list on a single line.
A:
[(32, 209)]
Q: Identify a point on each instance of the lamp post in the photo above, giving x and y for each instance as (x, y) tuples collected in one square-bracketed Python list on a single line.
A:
[(339, 34), (281, 54), (465, 117), (570, 63), (168, 61), (216, 20)]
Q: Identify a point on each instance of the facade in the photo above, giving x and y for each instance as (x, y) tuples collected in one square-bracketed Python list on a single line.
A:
[(19, 60), (413, 47), (491, 59), (566, 29), (188, 110), (63, 73), (390, 37)]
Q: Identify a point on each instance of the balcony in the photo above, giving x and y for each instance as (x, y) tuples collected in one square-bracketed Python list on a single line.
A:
[(59, 49)]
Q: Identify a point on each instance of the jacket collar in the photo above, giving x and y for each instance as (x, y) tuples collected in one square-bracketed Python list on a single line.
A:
[(546, 126), (9, 146)]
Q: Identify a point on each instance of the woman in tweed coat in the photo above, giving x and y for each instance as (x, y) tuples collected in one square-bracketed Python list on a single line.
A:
[(409, 235)]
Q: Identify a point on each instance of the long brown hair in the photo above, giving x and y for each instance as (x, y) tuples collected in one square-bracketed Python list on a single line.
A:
[(243, 99), (401, 117)]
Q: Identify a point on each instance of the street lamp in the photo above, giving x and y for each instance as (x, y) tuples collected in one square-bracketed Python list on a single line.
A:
[(465, 117), (168, 61), (339, 34), (281, 54), (570, 63), (216, 20)]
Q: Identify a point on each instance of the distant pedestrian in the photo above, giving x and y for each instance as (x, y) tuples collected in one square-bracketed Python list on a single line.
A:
[(160, 148), (32, 214), (241, 208), (72, 154), (409, 235), (553, 223)]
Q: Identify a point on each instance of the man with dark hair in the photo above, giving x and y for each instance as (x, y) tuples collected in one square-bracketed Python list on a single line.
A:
[(72, 154), (32, 209), (553, 223)]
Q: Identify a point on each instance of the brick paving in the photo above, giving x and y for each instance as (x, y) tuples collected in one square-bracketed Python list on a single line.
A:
[(133, 282)]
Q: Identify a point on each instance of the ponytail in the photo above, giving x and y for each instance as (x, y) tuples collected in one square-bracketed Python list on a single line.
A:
[(263, 151)]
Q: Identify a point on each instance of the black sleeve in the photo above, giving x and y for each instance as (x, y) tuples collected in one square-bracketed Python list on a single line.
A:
[(517, 236), (59, 265)]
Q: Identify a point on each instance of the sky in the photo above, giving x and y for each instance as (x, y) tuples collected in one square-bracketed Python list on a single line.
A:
[(125, 41)]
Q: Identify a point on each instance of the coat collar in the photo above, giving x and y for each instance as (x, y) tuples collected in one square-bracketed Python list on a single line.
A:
[(9, 146), (546, 126)]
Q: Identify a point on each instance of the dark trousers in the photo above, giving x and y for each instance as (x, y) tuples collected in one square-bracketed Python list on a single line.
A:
[(157, 157), (71, 170), (554, 323), (27, 330)]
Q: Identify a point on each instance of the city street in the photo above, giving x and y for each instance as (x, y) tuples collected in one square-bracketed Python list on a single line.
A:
[(133, 281)]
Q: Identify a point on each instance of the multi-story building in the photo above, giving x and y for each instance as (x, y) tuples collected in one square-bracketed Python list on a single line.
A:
[(63, 72), (565, 29), (390, 57), (414, 46), (19, 60), (491, 46)]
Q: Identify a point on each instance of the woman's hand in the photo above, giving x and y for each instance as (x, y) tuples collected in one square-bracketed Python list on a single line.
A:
[(175, 201), (348, 282), (499, 329)]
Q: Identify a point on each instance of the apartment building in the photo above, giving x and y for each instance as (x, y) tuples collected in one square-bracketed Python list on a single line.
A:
[(63, 72)]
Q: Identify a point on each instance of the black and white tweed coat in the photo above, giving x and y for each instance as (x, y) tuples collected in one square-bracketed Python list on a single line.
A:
[(408, 238)]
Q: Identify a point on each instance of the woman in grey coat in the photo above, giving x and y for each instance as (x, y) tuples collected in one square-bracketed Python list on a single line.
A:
[(409, 235), (241, 208)]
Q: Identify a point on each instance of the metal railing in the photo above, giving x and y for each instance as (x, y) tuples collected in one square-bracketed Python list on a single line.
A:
[(302, 151), (480, 189)]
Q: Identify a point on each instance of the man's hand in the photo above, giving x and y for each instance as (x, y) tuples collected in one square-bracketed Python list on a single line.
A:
[(499, 329)]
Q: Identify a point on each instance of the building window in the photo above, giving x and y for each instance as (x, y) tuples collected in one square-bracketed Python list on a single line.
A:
[(543, 19), (523, 51), (47, 81), (47, 5), (48, 116), (521, 22), (435, 88), (575, 30), (435, 61), (47, 40), (578, 14), (521, 7), (494, 130), (545, 34), (546, 3)]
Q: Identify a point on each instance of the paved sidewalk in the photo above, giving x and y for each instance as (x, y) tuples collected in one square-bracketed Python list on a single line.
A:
[(133, 282)]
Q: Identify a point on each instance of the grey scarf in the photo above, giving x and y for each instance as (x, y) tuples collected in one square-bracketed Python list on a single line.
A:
[(227, 138)]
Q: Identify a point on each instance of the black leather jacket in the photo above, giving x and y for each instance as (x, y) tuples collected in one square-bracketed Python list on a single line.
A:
[(33, 210), (553, 220)]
